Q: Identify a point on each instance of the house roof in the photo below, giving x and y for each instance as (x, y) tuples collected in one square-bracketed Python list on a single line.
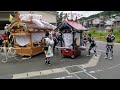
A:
[(108, 24), (108, 28), (73, 24), (76, 25), (117, 20)]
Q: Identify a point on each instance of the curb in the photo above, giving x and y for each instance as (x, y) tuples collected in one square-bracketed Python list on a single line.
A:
[(93, 62), (37, 73)]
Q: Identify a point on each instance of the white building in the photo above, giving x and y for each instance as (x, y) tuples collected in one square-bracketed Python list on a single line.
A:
[(110, 21), (96, 21)]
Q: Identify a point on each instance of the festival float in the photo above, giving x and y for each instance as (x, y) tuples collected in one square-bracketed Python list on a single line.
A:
[(71, 32), (28, 31)]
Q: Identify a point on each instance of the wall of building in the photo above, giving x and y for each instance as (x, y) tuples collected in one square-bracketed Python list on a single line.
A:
[(96, 21), (4, 18)]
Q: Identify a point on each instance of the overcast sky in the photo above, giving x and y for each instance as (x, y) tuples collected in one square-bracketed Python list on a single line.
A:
[(84, 13)]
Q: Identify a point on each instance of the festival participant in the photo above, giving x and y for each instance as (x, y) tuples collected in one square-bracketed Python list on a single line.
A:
[(6, 42), (85, 40), (48, 42), (92, 45), (55, 41), (11, 40), (109, 46), (1, 40)]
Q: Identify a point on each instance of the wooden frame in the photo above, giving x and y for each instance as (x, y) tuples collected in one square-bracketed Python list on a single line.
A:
[(30, 49)]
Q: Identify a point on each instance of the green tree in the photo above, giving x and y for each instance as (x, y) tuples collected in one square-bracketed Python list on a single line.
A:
[(59, 17)]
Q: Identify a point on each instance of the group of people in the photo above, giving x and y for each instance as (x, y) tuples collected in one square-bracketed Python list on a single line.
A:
[(6, 41), (92, 42), (109, 45), (51, 42)]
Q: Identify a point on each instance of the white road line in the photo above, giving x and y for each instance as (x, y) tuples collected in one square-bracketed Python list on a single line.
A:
[(76, 76), (104, 69), (70, 76), (67, 71), (101, 50), (95, 71), (77, 72), (93, 62), (71, 66), (114, 66), (92, 71), (82, 68), (90, 75)]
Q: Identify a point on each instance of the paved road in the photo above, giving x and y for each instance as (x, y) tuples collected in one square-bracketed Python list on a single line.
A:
[(36, 63), (67, 74), (104, 69), (107, 69)]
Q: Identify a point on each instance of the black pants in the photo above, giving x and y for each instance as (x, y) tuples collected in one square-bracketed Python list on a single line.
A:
[(55, 44), (92, 47), (47, 60), (109, 48)]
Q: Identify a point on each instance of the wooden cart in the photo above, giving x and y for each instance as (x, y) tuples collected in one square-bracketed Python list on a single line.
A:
[(23, 29), (71, 27)]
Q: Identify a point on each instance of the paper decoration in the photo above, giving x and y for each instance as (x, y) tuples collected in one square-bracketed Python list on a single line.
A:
[(41, 25), (27, 16), (77, 35), (37, 19), (68, 39), (36, 37), (23, 40)]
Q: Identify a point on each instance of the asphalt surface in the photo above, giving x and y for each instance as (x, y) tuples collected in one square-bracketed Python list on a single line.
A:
[(36, 63), (105, 68)]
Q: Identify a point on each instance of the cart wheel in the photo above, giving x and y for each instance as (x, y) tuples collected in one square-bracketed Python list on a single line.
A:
[(72, 56)]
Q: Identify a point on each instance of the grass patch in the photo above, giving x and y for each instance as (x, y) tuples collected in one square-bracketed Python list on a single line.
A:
[(101, 36)]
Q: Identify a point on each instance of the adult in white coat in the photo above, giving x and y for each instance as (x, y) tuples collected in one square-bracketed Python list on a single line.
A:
[(48, 47)]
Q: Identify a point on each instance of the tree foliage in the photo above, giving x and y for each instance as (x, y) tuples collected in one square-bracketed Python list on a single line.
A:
[(104, 13), (59, 17)]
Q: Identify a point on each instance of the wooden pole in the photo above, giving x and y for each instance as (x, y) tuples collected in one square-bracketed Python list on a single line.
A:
[(14, 38), (31, 43), (73, 39), (80, 38), (61, 42)]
